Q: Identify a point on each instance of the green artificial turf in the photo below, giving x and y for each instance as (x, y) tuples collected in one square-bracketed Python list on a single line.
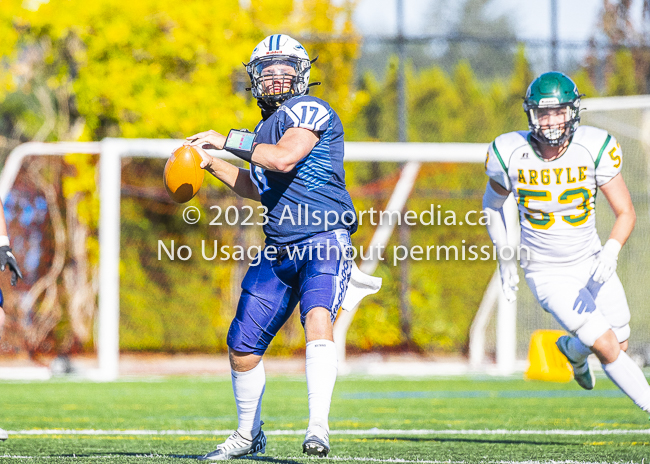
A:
[(459, 417)]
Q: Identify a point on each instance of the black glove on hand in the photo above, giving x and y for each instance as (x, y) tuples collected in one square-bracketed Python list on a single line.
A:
[(7, 258)]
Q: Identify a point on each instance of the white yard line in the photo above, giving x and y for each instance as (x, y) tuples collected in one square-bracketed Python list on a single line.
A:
[(373, 431)]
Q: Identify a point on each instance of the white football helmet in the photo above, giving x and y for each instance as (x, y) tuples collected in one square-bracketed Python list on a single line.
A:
[(279, 49)]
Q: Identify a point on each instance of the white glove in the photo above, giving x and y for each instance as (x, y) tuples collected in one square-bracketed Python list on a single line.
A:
[(605, 263), (509, 279)]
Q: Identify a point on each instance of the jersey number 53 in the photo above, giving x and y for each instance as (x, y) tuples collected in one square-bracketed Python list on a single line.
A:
[(548, 219)]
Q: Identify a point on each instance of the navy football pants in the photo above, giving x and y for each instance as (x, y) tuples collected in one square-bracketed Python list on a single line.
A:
[(314, 272)]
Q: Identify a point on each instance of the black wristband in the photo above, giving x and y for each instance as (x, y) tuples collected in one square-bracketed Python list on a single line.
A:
[(241, 143)]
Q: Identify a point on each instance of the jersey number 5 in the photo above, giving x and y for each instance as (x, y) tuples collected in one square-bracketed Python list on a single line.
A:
[(616, 158), (548, 219)]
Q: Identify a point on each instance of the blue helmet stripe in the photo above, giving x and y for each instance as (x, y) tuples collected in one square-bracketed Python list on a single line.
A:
[(277, 43), (271, 43)]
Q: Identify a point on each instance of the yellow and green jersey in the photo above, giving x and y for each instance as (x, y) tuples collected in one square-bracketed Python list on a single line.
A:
[(556, 199)]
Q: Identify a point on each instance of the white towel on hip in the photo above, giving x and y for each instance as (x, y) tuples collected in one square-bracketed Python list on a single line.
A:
[(360, 286)]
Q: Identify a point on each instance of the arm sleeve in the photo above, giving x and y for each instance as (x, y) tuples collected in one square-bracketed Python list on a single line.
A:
[(496, 227), (495, 167), (609, 161), (306, 113)]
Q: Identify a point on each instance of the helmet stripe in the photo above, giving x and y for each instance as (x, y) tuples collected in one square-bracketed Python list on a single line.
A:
[(277, 43), (271, 43)]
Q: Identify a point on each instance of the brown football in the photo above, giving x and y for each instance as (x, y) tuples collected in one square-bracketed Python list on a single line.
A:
[(183, 175)]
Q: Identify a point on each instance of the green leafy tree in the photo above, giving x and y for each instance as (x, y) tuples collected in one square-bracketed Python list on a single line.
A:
[(622, 79)]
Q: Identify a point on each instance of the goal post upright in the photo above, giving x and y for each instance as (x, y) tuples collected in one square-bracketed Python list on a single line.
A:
[(108, 323), (110, 180)]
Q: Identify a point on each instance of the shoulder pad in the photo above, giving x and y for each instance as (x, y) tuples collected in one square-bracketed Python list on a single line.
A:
[(592, 138), (306, 112), (302, 99), (505, 144), (498, 156)]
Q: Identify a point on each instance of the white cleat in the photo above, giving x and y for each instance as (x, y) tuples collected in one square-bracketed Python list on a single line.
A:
[(3, 435), (317, 441), (237, 446)]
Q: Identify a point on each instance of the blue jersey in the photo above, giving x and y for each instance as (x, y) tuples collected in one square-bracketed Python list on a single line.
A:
[(311, 198)]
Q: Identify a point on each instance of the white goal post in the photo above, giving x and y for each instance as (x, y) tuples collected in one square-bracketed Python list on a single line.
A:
[(112, 150)]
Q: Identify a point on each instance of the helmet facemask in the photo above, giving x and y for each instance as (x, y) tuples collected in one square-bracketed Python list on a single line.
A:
[(548, 126), (276, 78)]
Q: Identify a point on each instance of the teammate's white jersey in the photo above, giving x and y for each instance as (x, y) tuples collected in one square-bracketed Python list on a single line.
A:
[(556, 198)]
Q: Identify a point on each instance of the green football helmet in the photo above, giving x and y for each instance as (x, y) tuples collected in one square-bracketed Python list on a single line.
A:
[(552, 92)]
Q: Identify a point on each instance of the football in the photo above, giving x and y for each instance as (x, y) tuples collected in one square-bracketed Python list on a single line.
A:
[(183, 175)]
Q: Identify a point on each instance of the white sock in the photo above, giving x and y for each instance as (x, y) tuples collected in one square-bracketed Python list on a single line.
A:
[(248, 388), (628, 377), (321, 369)]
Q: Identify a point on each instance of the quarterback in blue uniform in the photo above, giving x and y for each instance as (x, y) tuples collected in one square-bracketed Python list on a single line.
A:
[(296, 171)]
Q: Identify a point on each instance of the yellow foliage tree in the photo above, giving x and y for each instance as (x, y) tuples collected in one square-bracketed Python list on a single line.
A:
[(150, 69)]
